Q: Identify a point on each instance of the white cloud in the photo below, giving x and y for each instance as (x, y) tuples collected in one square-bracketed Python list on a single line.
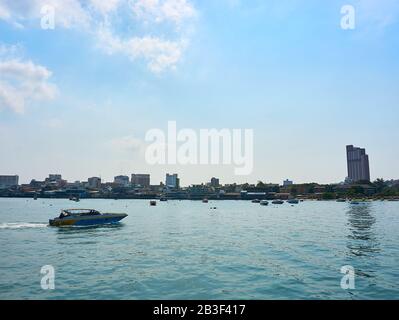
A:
[(10, 51), (4, 13), (161, 52), (163, 10), (22, 82), (105, 7)]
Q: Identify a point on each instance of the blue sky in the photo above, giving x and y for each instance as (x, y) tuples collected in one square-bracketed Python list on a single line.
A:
[(94, 85)]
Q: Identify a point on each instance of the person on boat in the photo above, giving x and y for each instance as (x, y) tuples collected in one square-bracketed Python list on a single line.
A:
[(63, 215)]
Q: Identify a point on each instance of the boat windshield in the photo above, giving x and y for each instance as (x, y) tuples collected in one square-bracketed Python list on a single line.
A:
[(79, 212)]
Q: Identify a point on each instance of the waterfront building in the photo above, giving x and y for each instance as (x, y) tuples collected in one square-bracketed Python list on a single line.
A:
[(122, 180), (200, 192), (36, 184), (215, 182), (54, 177), (142, 180), (172, 181), (8, 181), (358, 164), (55, 180), (94, 183), (287, 183)]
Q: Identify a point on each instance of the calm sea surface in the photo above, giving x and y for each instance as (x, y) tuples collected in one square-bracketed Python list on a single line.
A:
[(185, 250)]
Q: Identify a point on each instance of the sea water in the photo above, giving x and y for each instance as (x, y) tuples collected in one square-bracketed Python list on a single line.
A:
[(189, 250)]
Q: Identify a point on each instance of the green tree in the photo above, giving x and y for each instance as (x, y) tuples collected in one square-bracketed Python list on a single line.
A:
[(379, 185), (260, 185), (329, 196)]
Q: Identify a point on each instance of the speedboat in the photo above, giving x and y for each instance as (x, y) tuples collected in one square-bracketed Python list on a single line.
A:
[(264, 203), (153, 203), (277, 202), (85, 217), (293, 201)]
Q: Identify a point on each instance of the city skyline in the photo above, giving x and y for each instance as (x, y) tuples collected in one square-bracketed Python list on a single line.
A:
[(357, 161), (80, 98)]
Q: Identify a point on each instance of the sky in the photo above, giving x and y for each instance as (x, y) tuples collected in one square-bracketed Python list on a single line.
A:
[(79, 99)]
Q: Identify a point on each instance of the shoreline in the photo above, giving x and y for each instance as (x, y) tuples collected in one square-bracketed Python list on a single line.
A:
[(393, 199)]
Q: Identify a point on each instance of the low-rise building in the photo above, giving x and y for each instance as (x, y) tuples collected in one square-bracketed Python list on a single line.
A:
[(172, 181), (121, 181), (142, 180), (7, 181), (287, 183), (94, 183), (215, 182)]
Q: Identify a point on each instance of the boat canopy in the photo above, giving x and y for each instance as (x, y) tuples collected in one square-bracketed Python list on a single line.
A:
[(79, 212)]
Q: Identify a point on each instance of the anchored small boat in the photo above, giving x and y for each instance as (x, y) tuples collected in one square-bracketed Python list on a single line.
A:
[(278, 202), (85, 217), (256, 201), (205, 200), (153, 203), (293, 201), (163, 199), (264, 203)]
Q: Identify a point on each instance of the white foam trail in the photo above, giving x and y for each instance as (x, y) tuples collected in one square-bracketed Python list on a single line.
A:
[(21, 225)]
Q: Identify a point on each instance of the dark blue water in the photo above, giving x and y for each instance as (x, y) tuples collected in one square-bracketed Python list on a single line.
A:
[(185, 250)]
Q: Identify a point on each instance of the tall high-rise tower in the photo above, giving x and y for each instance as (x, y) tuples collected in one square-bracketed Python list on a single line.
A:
[(358, 164)]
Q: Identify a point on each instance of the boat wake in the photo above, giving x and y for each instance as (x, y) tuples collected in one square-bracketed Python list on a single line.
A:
[(22, 225)]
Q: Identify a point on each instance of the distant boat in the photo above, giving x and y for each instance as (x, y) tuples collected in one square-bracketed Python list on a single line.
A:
[(393, 200), (264, 203), (153, 203), (277, 202), (293, 201), (205, 200), (85, 217), (256, 201), (163, 199), (341, 200)]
